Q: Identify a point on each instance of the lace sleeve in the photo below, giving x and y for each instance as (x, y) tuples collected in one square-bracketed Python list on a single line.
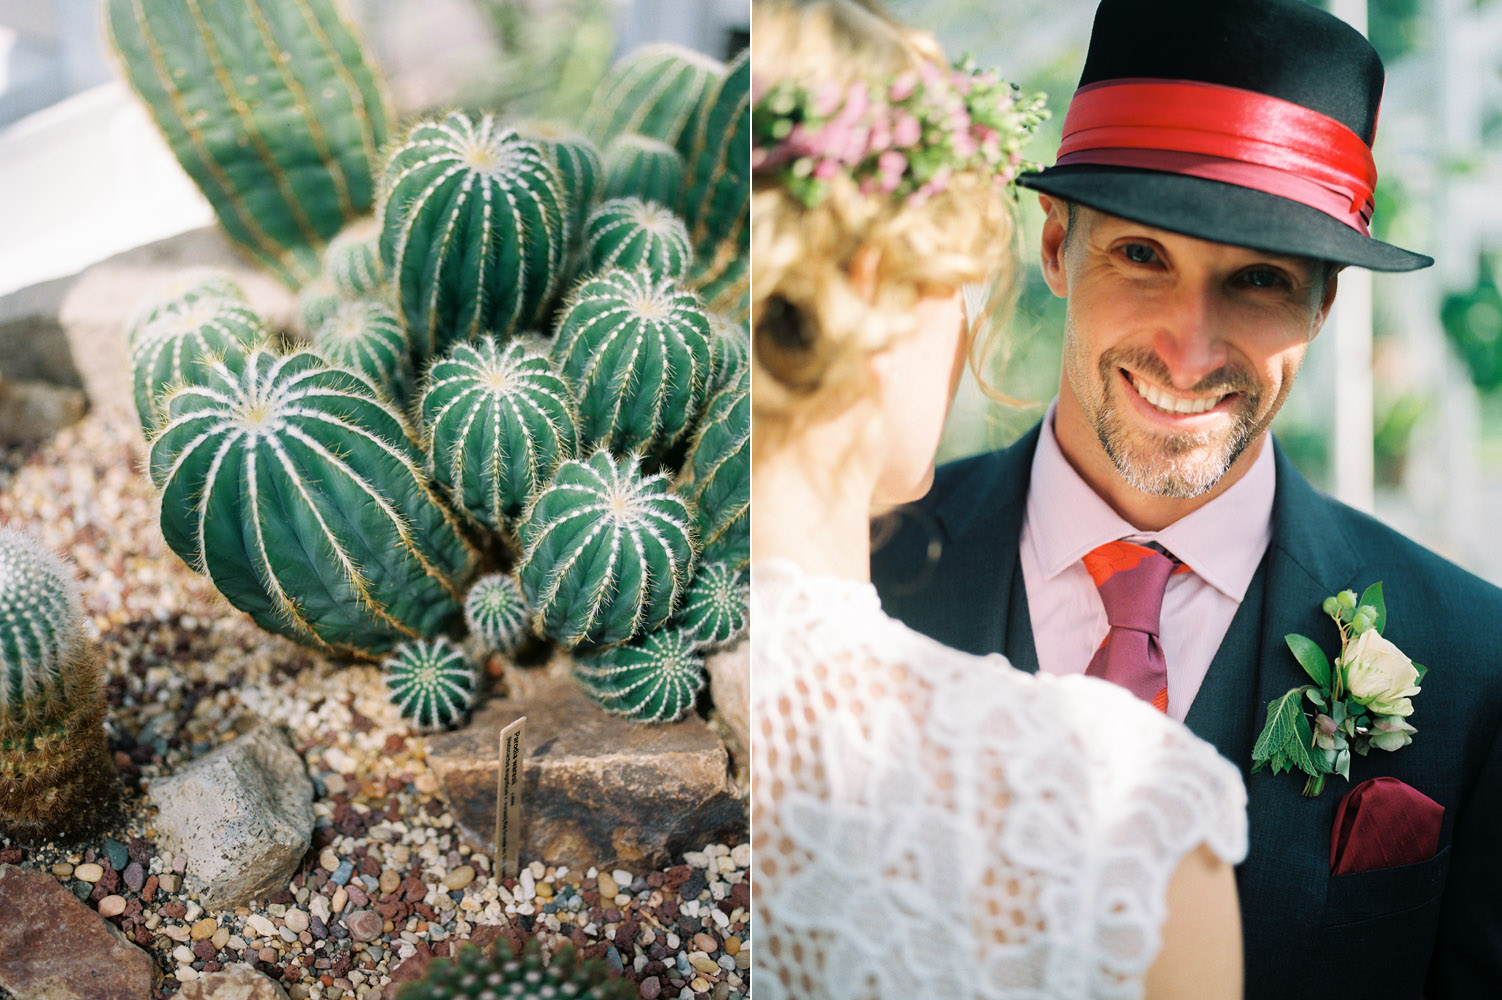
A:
[(928, 823)]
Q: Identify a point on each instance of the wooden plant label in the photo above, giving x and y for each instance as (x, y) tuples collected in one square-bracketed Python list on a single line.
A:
[(508, 800)]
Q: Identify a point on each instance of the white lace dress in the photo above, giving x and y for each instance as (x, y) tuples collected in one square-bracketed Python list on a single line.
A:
[(928, 823)]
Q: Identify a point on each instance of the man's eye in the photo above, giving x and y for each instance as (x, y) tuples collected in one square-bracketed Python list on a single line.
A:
[(1263, 277), (1139, 253)]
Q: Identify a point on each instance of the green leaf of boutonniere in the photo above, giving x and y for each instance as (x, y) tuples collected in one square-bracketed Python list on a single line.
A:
[(1311, 658), (1373, 596), (1286, 738)]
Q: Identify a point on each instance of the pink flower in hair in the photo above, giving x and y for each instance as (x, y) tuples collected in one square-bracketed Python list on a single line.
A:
[(892, 165), (857, 100), (906, 130), (826, 169)]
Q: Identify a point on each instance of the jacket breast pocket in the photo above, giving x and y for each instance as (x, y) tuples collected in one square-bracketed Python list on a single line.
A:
[(1381, 918)]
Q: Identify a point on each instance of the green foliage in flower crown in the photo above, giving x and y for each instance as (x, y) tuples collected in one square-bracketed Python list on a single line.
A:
[(631, 234), (56, 777), (606, 553), (714, 612), (473, 231), (506, 975), (639, 167), (296, 489), (654, 678), (653, 91), (636, 350), (497, 613), (366, 337), (171, 349), (499, 421), (720, 470), (431, 683), (352, 261)]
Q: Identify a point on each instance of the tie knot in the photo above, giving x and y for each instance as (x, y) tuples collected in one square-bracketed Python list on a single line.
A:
[(1131, 579)]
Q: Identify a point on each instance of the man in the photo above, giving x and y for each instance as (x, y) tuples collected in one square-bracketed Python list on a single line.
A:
[(1214, 176)]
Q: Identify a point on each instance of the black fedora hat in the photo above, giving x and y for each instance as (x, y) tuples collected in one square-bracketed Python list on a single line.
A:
[(1246, 122)]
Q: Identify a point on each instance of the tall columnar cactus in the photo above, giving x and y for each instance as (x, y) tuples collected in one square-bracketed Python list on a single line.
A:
[(57, 779), (298, 492), (365, 336), (172, 349), (497, 613), (729, 350), (431, 683), (714, 612), (472, 975), (271, 108), (473, 231), (606, 552), (653, 91), (632, 234), (580, 170), (718, 189), (352, 261), (720, 474), (636, 348), (180, 290), (499, 420), (639, 167), (651, 679)]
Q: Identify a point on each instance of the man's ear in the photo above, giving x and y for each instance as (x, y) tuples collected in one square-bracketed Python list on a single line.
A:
[(1332, 284), (1055, 235)]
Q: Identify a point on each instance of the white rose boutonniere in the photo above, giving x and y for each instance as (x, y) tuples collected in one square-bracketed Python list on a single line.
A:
[(1364, 698)]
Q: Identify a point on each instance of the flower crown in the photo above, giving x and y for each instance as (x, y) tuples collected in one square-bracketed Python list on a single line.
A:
[(903, 139)]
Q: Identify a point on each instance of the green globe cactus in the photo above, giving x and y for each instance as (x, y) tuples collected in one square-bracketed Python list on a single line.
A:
[(636, 349), (172, 348), (729, 351), (579, 167), (607, 553), (496, 612), (651, 679), (432, 685), (57, 780), (297, 491), (271, 108), (499, 420), (505, 974), (714, 611), (639, 167), (473, 231), (317, 301), (366, 337), (352, 261), (179, 290), (631, 234), (720, 471), (653, 91)]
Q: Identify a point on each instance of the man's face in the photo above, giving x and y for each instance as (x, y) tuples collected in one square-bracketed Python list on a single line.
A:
[(1178, 352)]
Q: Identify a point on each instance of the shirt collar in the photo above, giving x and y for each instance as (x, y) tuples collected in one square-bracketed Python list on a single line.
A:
[(1222, 542)]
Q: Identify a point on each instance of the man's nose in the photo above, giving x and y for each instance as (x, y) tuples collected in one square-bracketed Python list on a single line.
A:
[(1191, 335)]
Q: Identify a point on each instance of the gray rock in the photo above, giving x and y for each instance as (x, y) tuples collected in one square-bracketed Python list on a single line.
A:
[(31, 412), (53, 947), (234, 982), (730, 689), (242, 815)]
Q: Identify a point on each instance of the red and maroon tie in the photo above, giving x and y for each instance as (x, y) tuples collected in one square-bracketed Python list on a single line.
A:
[(1131, 579)]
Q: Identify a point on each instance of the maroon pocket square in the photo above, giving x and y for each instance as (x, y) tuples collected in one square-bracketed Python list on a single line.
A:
[(1383, 823)]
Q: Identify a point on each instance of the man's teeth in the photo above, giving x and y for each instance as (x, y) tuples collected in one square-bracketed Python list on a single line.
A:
[(1172, 404)]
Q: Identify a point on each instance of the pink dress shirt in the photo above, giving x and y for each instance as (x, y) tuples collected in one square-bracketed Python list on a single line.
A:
[(1222, 543)]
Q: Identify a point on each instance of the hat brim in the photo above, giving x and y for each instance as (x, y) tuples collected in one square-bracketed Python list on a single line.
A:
[(1221, 213)]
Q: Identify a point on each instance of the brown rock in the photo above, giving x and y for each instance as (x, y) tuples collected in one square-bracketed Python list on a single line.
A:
[(31, 412), (364, 925), (730, 688), (594, 786), (234, 982), (53, 947)]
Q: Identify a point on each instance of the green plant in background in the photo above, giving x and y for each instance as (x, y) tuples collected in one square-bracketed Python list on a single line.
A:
[(497, 613), (652, 679), (1473, 323), (714, 612), (631, 234), (270, 106), (472, 975), (57, 780), (431, 683), (170, 349), (552, 55)]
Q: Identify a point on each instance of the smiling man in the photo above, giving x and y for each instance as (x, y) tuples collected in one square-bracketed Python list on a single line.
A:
[(1214, 177)]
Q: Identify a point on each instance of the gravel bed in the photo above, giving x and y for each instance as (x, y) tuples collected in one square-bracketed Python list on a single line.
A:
[(388, 876)]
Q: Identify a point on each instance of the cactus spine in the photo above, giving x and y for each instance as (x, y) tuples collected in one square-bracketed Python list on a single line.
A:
[(636, 348), (720, 470), (607, 553), (172, 349), (497, 613), (471, 975), (431, 683), (714, 612), (639, 167), (298, 492), (499, 422), (56, 776), (652, 679), (653, 92), (632, 234), (473, 235), (245, 92), (367, 338)]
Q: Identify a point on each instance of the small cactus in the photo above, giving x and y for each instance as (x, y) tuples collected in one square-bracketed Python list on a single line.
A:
[(57, 779), (714, 612), (636, 349), (431, 683), (651, 679), (317, 301), (579, 169), (352, 261), (638, 167), (653, 91), (729, 351), (720, 469), (473, 231), (172, 348), (606, 552), (179, 290), (497, 613), (366, 337), (632, 234), (504, 974), (499, 422)]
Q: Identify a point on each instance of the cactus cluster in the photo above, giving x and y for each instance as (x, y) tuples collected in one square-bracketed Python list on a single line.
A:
[(57, 779), (522, 351), (506, 973)]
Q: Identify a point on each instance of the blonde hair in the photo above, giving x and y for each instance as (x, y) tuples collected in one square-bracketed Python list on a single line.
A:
[(812, 331)]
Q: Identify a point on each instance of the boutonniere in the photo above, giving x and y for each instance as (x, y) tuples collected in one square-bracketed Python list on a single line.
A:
[(1362, 700)]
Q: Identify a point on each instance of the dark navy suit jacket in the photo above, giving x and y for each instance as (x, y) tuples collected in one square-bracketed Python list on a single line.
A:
[(949, 567)]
